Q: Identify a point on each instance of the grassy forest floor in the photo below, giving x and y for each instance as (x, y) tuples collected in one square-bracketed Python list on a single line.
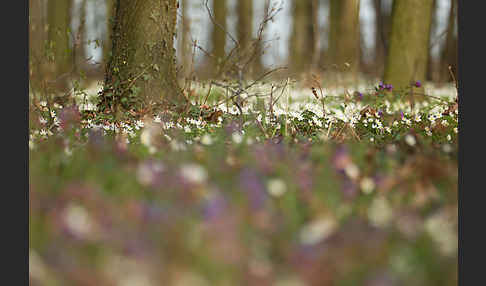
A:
[(347, 186)]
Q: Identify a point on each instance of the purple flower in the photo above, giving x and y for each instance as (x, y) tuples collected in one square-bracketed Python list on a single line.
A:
[(389, 87), (215, 207), (381, 86), (252, 185), (418, 83), (380, 113), (402, 114)]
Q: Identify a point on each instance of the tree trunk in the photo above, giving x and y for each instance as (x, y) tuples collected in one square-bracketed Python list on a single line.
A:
[(382, 25), (59, 16), (37, 37), (184, 42), (432, 63), (244, 25), (449, 53), (218, 35), (143, 63), (79, 45), (344, 39), (109, 28), (302, 42), (409, 42)]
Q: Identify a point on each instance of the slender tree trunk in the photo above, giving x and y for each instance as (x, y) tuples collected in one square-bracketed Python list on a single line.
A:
[(344, 39), (382, 25), (143, 63), (184, 42), (109, 28), (244, 26), (80, 39), (37, 38), (218, 35), (432, 63), (449, 53), (59, 15), (409, 42)]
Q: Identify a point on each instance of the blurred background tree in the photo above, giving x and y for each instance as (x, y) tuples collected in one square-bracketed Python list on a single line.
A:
[(409, 42), (59, 48)]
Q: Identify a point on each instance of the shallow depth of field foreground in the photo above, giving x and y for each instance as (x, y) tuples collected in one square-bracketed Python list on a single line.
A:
[(301, 174)]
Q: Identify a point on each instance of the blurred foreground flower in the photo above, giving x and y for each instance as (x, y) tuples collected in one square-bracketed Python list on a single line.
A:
[(317, 230), (276, 187), (194, 173)]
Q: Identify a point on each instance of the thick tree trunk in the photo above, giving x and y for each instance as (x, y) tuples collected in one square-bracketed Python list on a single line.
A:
[(302, 42), (143, 63), (344, 39), (59, 16), (218, 35), (449, 53), (409, 42)]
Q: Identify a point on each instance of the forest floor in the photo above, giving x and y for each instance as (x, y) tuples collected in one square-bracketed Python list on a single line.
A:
[(344, 186)]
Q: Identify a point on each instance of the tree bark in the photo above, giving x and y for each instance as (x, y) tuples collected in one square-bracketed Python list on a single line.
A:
[(143, 64), (184, 42), (218, 35), (344, 36), (107, 40), (244, 25), (449, 53), (409, 42), (303, 38), (37, 38), (382, 25), (59, 16)]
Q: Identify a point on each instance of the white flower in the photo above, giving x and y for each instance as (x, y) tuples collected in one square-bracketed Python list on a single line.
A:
[(78, 220), (146, 137), (177, 146), (237, 138), (388, 129), (317, 230), (68, 151), (194, 173), (276, 187), (410, 140), (42, 120), (380, 212), (352, 171), (455, 130), (187, 129), (445, 123), (443, 231), (367, 185), (447, 148), (206, 139), (449, 138), (157, 119)]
